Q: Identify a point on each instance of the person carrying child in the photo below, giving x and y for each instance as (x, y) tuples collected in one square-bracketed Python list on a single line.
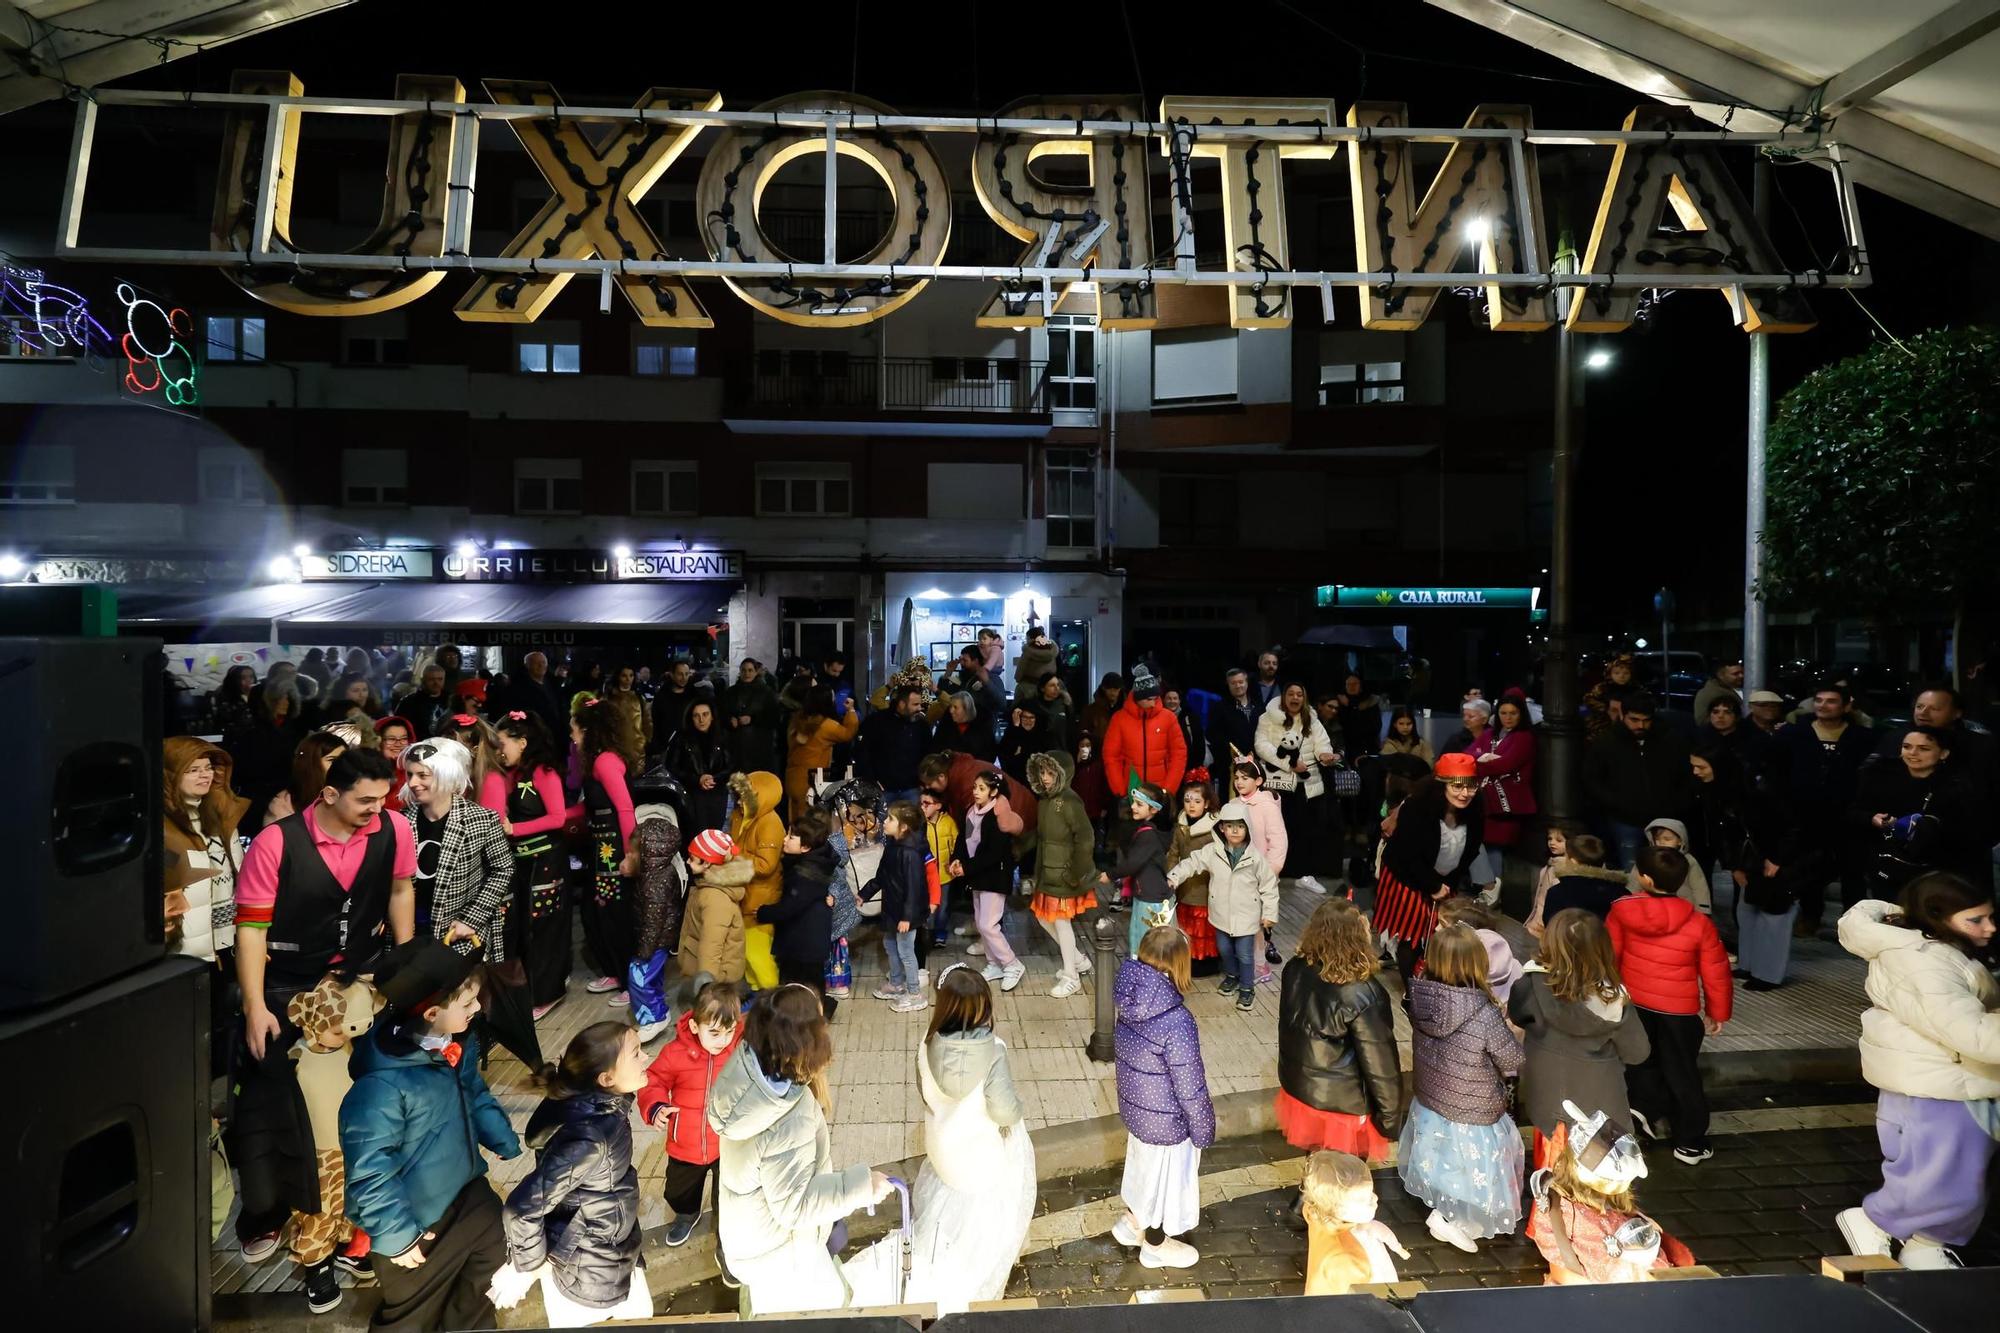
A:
[(1584, 1220), (1143, 863), (1194, 830), (1065, 865), (1163, 1100), (1677, 973), (1460, 1152), (573, 1221), (712, 927), (411, 1129), (1345, 1245), (804, 915), (1242, 899), (901, 885), (675, 1098)]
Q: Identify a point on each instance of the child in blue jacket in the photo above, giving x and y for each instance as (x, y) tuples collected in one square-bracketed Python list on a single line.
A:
[(906, 904), (411, 1129)]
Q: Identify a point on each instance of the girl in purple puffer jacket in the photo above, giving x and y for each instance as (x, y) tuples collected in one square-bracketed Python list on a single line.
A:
[(1163, 1099)]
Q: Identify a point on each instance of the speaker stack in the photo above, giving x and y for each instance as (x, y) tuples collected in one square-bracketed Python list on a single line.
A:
[(103, 1038)]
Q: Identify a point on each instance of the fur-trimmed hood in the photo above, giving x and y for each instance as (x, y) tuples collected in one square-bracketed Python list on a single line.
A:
[(756, 793), (1050, 771)]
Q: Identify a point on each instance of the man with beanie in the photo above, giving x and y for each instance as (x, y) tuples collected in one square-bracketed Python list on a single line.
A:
[(411, 1128), (1144, 738)]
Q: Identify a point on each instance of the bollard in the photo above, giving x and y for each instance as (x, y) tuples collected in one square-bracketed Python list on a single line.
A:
[(1107, 942)]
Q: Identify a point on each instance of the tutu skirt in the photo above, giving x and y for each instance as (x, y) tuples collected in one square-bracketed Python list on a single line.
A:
[(1162, 1185), (1201, 935), (1061, 909), (1310, 1130), (1471, 1174)]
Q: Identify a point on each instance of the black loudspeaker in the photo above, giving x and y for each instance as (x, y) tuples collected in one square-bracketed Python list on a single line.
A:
[(81, 815), (104, 1202)]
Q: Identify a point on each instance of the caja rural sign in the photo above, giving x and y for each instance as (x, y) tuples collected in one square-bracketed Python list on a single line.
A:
[(1670, 213)]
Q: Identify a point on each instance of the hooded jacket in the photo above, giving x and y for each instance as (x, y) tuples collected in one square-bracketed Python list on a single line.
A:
[(662, 899), (803, 917), (759, 836), (1267, 828), (1187, 840), (1065, 865), (1162, 1091), (1280, 744), (411, 1129), (712, 928), (1576, 1049), (1591, 888), (1337, 1046), (1463, 1052), (1036, 660), (1242, 895), (777, 1192), (900, 880), (681, 1076), (1695, 887), (190, 868), (1670, 957), (579, 1208), (961, 1062), (1933, 1026), (1147, 742)]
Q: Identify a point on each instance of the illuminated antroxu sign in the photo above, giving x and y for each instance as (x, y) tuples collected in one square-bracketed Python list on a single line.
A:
[(368, 565), (1387, 598), (1670, 215)]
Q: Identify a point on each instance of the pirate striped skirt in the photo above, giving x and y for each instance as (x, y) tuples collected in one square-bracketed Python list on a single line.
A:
[(1401, 913)]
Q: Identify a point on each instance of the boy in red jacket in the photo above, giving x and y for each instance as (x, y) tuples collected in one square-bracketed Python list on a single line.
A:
[(675, 1099), (1677, 974)]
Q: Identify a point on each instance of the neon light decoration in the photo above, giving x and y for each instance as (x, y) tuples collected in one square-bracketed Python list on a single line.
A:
[(52, 320), (157, 360)]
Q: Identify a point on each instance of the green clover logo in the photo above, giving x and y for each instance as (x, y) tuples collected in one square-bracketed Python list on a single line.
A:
[(1383, 598)]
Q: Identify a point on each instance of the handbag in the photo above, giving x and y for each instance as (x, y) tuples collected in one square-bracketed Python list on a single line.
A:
[(839, 966)]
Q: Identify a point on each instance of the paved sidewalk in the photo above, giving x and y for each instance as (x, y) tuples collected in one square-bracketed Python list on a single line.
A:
[(878, 1113)]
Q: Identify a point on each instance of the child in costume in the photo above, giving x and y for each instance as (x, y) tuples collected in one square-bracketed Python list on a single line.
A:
[(1345, 1245), (941, 833), (1194, 830), (1143, 864), (1065, 865), (1583, 1220), (330, 1016), (1163, 1100)]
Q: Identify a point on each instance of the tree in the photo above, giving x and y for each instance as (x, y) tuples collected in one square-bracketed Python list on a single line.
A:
[(1884, 491)]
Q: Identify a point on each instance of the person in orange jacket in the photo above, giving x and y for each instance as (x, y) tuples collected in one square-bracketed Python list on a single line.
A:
[(1144, 739)]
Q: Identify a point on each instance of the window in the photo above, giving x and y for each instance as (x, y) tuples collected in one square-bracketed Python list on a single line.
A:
[(231, 475), (375, 476), (376, 340), (651, 358), (1198, 509), (1369, 382), (1194, 365), (235, 338), (42, 474), (1071, 505), (663, 488), (796, 489), (548, 485), (548, 348), (1072, 364)]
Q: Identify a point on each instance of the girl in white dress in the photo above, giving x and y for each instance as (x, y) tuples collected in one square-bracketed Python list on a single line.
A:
[(976, 1191)]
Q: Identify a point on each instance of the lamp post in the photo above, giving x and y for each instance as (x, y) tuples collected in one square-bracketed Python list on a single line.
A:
[(1562, 729)]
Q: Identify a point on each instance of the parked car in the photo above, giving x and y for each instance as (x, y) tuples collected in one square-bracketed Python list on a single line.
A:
[(1674, 678)]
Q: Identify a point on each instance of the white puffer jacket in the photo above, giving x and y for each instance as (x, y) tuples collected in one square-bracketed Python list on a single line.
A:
[(1934, 1028), (1281, 741)]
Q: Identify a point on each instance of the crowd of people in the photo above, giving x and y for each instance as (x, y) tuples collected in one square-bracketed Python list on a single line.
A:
[(394, 888)]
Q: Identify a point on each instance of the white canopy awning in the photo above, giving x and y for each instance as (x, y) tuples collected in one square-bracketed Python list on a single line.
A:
[(1912, 89)]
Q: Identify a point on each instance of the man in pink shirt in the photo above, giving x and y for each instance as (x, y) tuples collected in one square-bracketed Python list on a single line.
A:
[(319, 891)]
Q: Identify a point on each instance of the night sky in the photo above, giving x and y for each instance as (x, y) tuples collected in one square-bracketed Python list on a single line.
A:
[(1662, 471)]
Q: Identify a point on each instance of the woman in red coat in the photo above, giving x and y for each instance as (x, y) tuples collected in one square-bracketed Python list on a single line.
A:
[(1506, 756)]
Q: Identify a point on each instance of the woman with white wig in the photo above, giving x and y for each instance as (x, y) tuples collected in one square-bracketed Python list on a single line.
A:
[(465, 875)]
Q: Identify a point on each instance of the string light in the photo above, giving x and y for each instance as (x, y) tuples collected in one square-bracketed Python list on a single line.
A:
[(46, 317), (156, 360)]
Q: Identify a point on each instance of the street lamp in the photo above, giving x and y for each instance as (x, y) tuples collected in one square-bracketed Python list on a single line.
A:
[(1597, 360)]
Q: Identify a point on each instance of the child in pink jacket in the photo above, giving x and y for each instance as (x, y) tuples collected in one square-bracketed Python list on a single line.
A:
[(1267, 835)]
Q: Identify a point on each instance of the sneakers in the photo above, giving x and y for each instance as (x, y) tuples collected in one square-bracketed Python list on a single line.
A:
[(923, 980), (965, 932), (1169, 1253), (977, 948), (1226, 986), (322, 1288), (681, 1228), (353, 1258), (839, 992), (1126, 1232), (1084, 966), (1861, 1233), (910, 1004), (601, 986), (622, 1000), (1923, 1253), (1066, 986), (1759, 986), (1693, 1156), (1310, 885), (1450, 1232), (888, 990), (541, 1011), (940, 941), (1245, 998), (1011, 977), (1645, 1125), (648, 1031), (259, 1248), (993, 971), (1490, 895)]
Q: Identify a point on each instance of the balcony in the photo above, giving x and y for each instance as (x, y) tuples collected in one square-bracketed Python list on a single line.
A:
[(832, 392)]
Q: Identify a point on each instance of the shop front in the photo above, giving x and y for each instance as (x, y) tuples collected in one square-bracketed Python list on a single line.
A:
[(932, 615)]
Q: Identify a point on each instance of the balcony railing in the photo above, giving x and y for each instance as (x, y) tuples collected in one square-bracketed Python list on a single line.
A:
[(821, 381)]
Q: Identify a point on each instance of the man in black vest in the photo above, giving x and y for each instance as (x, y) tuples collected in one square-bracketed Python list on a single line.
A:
[(326, 888)]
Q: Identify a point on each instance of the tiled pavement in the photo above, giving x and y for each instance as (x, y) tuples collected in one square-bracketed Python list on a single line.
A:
[(878, 1112)]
